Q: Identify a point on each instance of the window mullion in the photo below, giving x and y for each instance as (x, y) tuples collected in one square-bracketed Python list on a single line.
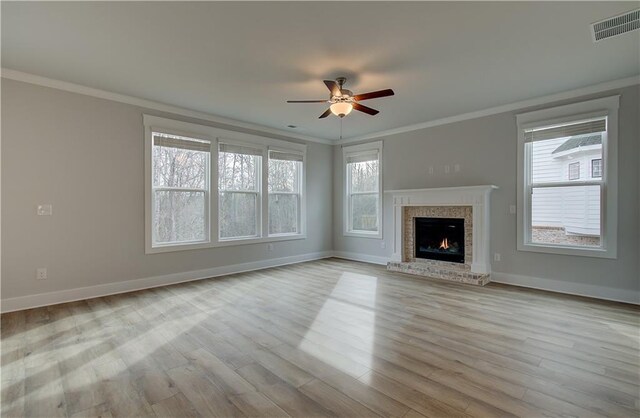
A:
[(264, 196), (566, 184), (179, 189), (214, 193), (365, 193)]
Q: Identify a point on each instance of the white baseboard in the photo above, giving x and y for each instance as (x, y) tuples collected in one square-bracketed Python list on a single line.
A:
[(571, 288), (373, 259), (81, 293), (551, 285)]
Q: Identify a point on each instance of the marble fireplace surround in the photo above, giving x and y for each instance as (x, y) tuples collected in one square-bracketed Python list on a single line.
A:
[(471, 203)]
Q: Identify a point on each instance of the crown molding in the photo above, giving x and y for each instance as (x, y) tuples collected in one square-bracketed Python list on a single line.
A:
[(566, 95), (149, 104)]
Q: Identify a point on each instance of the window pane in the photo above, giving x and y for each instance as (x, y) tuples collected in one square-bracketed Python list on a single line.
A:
[(574, 170), (364, 212), (283, 213), (562, 159), (176, 167), (238, 217), (238, 171), (596, 168), (179, 216), (283, 176), (566, 216), (364, 176)]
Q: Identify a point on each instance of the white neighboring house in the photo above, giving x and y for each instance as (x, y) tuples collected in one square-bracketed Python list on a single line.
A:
[(575, 210)]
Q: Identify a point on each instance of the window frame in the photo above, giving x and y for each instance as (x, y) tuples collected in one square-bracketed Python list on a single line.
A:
[(352, 150), (215, 136), (206, 190), (258, 192), (604, 107), (599, 160), (299, 194), (573, 164)]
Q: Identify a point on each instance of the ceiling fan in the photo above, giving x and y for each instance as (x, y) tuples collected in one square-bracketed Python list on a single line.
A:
[(343, 101)]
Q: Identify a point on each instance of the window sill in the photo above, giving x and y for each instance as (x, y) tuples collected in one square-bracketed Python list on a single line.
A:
[(224, 243), (562, 250), (370, 235)]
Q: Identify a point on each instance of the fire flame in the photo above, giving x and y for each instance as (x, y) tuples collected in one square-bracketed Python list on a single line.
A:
[(444, 244)]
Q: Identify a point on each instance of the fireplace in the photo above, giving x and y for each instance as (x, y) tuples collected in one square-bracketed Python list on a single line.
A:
[(423, 218), (439, 239)]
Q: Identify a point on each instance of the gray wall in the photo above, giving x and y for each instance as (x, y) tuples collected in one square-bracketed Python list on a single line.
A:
[(485, 148), (85, 156)]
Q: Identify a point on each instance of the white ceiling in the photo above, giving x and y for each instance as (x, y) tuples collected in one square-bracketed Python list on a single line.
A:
[(243, 60)]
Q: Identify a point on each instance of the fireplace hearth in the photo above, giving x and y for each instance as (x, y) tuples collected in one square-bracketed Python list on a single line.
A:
[(439, 239)]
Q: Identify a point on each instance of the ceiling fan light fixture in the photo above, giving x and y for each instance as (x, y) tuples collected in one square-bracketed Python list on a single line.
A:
[(341, 109)]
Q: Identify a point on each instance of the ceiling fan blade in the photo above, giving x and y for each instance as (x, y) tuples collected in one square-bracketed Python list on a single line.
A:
[(306, 101), (333, 87), (365, 109), (325, 114), (374, 94)]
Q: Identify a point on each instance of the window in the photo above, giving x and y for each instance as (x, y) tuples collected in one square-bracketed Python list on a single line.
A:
[(180, 189), (596, 168), (284, 183), (574, 171), (363, 211), (209, 187), (568, 213), (239, 191)]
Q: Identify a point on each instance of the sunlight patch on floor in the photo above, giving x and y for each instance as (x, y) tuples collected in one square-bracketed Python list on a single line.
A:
[(336, 313)]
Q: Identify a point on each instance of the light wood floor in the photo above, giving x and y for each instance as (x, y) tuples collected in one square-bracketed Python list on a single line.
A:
[(325, 338)]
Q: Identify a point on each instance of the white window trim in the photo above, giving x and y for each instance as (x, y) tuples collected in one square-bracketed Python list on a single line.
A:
[(302, 215), (216, 135), (357, 149), (608, 107)]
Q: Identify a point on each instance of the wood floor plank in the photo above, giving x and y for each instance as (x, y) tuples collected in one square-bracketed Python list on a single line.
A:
[(256, 405), (176, 406), (334, 400), (324, 338), (294, 402), (205, 396), (373, 399)]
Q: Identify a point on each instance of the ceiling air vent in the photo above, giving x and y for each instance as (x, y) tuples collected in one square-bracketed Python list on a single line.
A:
[(615, 26)]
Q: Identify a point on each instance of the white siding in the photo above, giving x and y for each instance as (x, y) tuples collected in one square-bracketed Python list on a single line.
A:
[(545, 167), (577, 209)]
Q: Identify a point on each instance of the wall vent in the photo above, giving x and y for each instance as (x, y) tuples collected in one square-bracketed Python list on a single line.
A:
[(616, 25)]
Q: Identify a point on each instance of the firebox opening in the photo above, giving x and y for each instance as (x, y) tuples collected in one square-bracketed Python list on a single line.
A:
[(439, 239)]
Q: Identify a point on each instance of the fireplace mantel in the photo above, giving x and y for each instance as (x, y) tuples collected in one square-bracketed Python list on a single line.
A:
[(478, 197)]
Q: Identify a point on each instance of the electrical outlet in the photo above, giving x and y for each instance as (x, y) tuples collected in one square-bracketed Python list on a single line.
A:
[(270, 246), (430, 169), (512, 209), (447, 169), (45, 209), (496, 257), (41, 273), (383, 245)]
